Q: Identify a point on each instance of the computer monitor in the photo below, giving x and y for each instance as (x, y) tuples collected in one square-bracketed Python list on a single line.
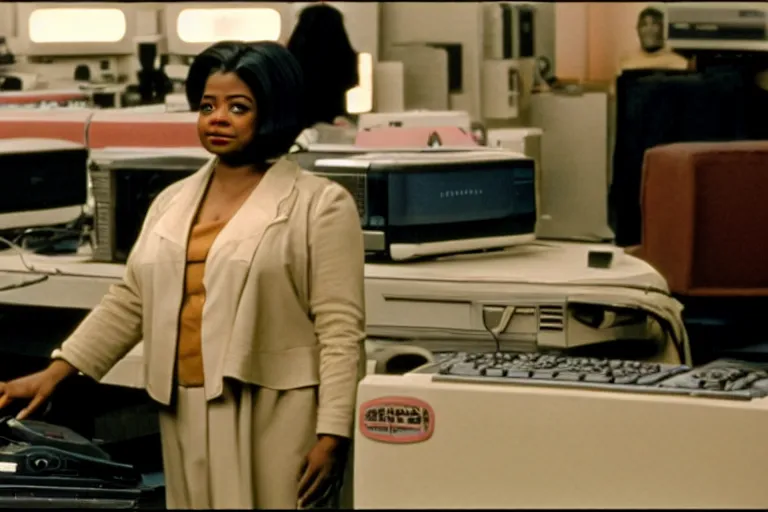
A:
[(44, 182), (125, 182), (307, 157), (420, 204)]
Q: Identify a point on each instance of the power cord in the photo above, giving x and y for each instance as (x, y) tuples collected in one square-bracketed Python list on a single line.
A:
[(21, 253), (53, 241), (31, 268), (23, 284), (507, 312), (76, 232)]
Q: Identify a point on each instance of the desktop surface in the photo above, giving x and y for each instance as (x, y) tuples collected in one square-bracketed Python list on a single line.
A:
[(552, 269)]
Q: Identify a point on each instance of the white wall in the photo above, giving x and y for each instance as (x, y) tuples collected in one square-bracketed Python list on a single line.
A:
[(445, 22)]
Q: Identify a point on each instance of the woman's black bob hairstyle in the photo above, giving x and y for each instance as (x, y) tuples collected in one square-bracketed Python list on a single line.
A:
[(275, 78)]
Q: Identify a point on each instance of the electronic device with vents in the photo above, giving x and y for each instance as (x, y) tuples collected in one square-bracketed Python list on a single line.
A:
[(621, 433), (414, 118), (536, 297), (720, 26), (125, 183), (421, 204), (509, 30), (44, 465), (306, 157), (45, 182)]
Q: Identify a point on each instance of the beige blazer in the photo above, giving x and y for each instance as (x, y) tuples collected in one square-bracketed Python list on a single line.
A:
[(284, 302)]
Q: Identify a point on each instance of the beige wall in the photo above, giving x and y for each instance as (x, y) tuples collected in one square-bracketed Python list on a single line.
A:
[(591, 38), (7, 21), (571, 41), (612, 36), (415, 22)]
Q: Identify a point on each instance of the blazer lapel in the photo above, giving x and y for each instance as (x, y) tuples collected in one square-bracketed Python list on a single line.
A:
[(175, 224), (263, 208)]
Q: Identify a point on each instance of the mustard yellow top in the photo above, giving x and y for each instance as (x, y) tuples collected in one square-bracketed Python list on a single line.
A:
[(189, 366), (662, 59)]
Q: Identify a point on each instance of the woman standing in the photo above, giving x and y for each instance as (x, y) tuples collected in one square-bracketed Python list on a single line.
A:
[(246, 285)]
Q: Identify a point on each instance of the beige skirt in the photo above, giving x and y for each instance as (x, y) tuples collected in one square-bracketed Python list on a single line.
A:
[(243, 450)]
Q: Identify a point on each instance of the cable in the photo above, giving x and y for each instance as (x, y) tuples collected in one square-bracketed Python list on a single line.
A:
[(50, 237), (682, 348), (495, 332), (14, 286), (20, 251), (495, 338)]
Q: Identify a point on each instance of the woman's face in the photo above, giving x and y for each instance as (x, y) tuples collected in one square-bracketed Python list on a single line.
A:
[(226, 120)]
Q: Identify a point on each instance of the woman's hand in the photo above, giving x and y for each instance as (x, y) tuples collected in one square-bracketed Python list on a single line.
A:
[(319, 469), (36, 387)]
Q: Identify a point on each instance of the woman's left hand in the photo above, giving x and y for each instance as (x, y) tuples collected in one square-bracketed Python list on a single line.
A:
[(319, 469)]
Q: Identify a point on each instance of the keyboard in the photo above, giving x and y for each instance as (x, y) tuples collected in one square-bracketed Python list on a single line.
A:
[(720, 379)]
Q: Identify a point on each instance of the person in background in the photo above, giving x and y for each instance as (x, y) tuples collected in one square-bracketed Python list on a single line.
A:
[(321, 45), (246, 286), (653, 54)]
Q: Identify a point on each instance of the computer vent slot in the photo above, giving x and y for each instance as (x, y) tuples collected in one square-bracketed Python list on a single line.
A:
[(551, 318), (355, 183)]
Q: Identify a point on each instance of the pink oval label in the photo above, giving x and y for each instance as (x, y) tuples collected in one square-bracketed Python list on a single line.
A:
[(397, 420)]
